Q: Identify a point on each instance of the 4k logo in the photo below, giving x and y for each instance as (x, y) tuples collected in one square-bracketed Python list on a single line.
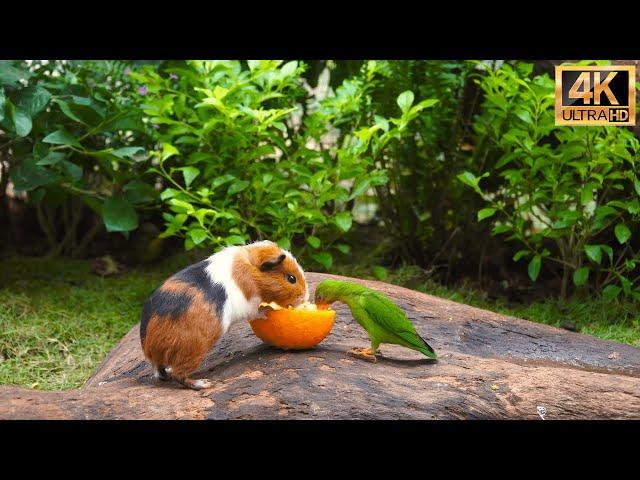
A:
[(595, 95)]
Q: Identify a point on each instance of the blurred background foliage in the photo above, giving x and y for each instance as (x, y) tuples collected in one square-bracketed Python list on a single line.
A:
[(455, 167)]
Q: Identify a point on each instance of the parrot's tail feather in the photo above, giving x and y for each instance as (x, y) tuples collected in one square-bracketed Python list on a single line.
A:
[(427, 350)]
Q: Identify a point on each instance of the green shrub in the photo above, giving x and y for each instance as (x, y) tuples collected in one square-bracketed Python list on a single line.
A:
[(421, 204), (74, 139), (567, 195), (243, 153)]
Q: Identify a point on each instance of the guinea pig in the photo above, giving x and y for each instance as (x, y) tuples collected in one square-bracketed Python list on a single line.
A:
[(185, 317)]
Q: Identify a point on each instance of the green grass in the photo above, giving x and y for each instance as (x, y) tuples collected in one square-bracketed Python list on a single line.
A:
[(58, 320)]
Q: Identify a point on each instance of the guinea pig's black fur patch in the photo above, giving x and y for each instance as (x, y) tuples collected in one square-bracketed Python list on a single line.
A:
[(195, 275), (164, 303), (173, 304)]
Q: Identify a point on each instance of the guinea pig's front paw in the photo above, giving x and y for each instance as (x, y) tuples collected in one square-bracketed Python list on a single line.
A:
[(262, 313)]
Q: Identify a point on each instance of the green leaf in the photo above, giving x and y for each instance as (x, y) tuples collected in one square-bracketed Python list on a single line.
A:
[(622, 233), (289, 68), (253, 64), (221, 180), (61, 137), (168, 150), (470, 179), (534, 267), (220, 92), (285, 243), (593, 253), (137, 191), (633, 207), (359, 187), (343, 220), (66, 109), (71, 170), (169, 193), (198, 235), (587, 195), (21, 120), (524, 116), (181, 206), (11, 75), (520, 254), (189, 174), (51, 158), (486, 213), (81, 100), (405, 100), (380, 273), (323, 258), (127, 152), (570, 219), (626, 284), (33, 100), (237, 187), (610, 292), (430, 102), (502, 228), (28, 176), (344, 248), (234, 240), (188, 243), (580, 276), (313, 241), (608, 250), (119, 215)]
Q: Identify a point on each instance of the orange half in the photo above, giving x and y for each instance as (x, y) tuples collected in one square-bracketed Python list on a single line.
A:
[(295, 328)]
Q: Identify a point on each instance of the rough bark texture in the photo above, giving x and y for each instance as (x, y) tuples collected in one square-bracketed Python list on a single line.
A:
[(490, 367)]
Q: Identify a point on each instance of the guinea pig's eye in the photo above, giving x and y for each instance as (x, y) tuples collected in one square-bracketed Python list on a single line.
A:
[(291, 278)]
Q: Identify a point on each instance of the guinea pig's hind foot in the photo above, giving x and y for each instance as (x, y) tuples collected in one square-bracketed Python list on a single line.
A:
[(162, 373), (199, 384)]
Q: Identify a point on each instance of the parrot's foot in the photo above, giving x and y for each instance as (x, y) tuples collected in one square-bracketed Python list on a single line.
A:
[(364, 353)]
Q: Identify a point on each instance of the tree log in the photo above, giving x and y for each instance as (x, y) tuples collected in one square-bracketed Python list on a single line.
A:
[(490, 366)]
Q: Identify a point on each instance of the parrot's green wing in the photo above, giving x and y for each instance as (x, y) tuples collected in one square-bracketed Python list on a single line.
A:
[(390, 317)]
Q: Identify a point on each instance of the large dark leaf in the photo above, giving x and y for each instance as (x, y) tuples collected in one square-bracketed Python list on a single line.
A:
[(119, 215), (136, 191), (61, 137), (21, 120), (29, 176), (71, 170), (10, 75), (130, 120), (33, 100)]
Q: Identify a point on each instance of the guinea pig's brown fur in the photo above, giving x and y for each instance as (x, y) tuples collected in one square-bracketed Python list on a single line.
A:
[(184, 318), (269, 277), (182, 342)]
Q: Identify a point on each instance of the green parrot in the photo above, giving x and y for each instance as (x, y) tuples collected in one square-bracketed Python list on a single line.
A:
[(383, 320)]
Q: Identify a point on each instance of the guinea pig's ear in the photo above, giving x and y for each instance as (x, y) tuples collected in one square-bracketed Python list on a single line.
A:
[(271, 264)]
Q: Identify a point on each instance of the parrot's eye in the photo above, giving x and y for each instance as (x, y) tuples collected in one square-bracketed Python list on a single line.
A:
[(291, 279)]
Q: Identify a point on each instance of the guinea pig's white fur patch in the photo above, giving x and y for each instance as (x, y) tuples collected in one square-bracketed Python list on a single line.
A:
[(236, 307)]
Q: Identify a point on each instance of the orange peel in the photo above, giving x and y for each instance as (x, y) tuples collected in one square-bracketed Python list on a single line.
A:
[(294, 328)]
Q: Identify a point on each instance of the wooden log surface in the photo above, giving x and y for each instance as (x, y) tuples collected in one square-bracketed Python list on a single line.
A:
[(490, 366)]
